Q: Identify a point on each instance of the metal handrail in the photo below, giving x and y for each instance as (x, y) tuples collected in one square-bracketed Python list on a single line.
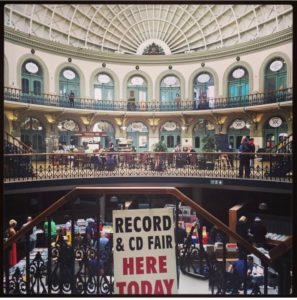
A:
[(26, 148), (17, 95), (41, 166), (147, 191)]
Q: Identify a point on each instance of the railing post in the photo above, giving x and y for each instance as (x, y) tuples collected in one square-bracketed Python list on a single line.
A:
[(49, 255), (6, 260), (27, 250), (224, 264), (245, 275), (98, 243), (72, 256), (265, 280), (176, 244)]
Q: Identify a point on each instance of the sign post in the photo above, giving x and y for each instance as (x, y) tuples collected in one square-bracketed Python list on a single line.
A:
[(144, 252)]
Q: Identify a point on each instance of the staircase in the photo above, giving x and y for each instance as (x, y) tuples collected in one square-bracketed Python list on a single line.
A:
[(13, 145), (14, 164), (46, 271), (282, 165)]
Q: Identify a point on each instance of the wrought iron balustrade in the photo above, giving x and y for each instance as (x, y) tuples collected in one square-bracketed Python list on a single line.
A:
[(59, 267), (17, 95), (43, 166)]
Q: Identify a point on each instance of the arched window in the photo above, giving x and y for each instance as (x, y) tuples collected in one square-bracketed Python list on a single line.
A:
[(236, 131), (203, 89), (170, 93), (32, 78), (67, 131), (104, 88), (275, 77), (201, 132), (170, 134), (138, 133), (238, 85), (69, 81), (137, 86), (33, 134), (109, 133), (274, 130)]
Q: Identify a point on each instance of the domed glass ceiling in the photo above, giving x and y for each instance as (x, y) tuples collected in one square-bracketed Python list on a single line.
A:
[(131, 28)]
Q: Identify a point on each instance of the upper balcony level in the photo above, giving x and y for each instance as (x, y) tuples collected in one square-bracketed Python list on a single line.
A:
[(17, 95)]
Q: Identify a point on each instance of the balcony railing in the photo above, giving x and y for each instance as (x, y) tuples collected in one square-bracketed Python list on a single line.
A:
[(58, 266), (44, 166), (17, 95)]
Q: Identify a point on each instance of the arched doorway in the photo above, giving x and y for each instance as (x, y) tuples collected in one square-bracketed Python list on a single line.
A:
[(108, 129), (67, 131), (238, 85), (104, 91), (32, 81), (201, 131), (170, 93), (203, 91), (236, 131), (33, 134), (275, 77), (137, 89), (138, 133), (275, 128), (170, 134), (69, 81)]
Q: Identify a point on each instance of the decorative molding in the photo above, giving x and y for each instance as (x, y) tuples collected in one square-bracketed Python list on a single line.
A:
[(258, 44)]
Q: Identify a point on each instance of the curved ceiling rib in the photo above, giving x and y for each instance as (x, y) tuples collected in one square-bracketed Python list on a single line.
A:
[(124, 28)]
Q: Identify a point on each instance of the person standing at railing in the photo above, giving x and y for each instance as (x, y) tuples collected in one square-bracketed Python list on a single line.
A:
[(11, 231), (252, 149), (71, 97), (244, 159), (177, 101)]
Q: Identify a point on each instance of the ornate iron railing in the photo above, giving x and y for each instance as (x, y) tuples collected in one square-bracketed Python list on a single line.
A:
[(17, 95), (43, 166), (14, 145), (57, 268)]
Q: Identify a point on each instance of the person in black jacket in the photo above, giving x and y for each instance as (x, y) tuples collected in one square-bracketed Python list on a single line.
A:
[(258, 232), (242, 230), (252, 149), (244, 159)]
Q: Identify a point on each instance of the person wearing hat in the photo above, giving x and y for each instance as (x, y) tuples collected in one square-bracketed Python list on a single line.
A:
[(11, 231), (258, 232)]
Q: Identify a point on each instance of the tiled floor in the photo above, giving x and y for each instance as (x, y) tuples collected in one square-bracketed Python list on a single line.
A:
[(192, 286)]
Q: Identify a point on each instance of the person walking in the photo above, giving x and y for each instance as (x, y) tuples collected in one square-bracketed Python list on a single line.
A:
[(244, 159)]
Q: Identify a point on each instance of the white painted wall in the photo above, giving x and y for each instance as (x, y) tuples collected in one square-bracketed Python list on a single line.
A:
[(14, 52)]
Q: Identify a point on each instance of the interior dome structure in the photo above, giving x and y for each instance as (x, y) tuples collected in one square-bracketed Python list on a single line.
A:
[(124, 28), (148, 148)]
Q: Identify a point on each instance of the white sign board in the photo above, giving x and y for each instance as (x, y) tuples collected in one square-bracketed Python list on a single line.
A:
[(144, 252)]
